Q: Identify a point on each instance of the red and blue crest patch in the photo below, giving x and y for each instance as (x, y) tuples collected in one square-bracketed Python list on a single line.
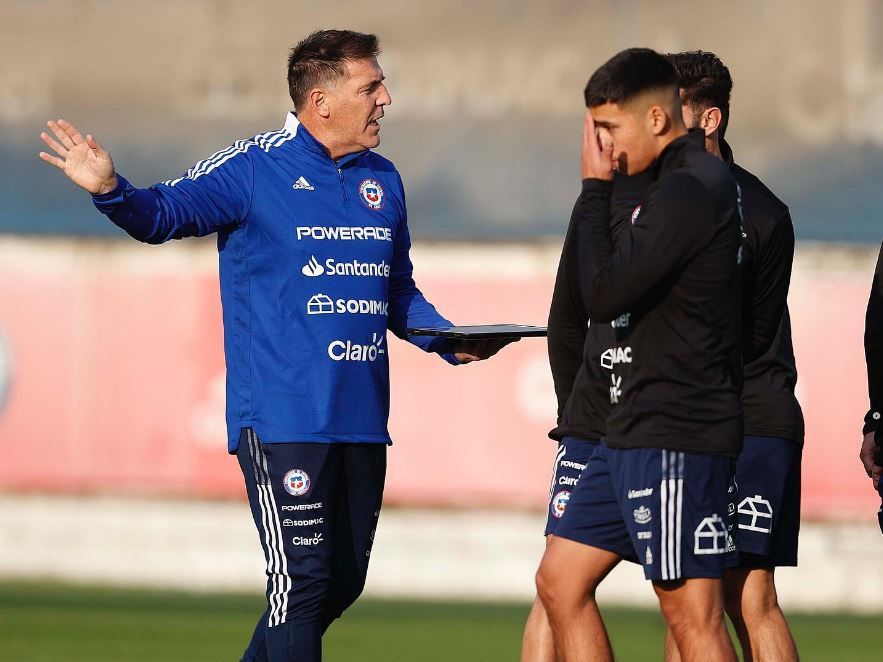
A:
[(297, 482), (371, 194)]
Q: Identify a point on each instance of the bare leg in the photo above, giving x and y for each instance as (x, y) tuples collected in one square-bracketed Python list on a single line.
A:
[(694, 610), (672, 654), (734, 582), (569, 574), (753, 606), (537, 644)]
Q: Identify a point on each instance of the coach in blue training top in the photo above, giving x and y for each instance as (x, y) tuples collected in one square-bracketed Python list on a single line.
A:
[(314, 268)]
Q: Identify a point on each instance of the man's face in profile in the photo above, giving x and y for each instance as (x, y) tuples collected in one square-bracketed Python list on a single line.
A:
[(632, 140), (356, 102)]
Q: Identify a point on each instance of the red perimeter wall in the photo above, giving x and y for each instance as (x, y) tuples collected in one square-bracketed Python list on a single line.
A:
[(116, 377)]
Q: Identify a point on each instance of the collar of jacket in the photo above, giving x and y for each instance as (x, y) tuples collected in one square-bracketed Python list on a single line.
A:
[(306, 139), (671, 155), (727, 153)]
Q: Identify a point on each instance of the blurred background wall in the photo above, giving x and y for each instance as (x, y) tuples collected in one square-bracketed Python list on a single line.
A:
[(114, 375), (111, 366), (487, 97)]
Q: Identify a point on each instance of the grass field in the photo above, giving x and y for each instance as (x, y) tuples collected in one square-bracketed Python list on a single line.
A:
[(55, 622)]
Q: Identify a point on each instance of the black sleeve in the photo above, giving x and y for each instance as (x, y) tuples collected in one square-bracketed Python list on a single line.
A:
[(768, 293), (673, 226), (568, 320), (874, 349)]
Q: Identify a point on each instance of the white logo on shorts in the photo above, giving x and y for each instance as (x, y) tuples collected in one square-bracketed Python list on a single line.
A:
[(559, 503), (758, 511), (642, 515), (710, 537)]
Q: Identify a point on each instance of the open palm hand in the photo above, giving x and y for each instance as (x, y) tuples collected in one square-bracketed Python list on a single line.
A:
[(82, 159)]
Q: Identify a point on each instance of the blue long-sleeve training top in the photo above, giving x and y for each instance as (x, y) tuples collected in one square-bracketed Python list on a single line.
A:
[(314, 268)]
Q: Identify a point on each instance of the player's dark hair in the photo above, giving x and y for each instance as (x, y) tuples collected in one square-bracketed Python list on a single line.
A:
[(705, 83), (322, 56), (628, 74)]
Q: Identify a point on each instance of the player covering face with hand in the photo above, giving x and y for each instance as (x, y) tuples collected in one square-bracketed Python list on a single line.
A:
[(770, 461), (656, 489)]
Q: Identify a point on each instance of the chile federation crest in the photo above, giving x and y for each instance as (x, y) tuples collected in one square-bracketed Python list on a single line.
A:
[(559, 503), (371, 194), (297, 482)]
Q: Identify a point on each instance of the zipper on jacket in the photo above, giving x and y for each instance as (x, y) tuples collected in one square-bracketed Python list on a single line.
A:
[(342, 187)]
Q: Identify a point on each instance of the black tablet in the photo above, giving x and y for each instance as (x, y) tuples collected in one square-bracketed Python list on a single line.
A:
[(482, 331)]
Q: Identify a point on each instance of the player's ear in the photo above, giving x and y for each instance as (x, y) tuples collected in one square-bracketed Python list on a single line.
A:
[(710, 120), (317, 100), (658, 121)]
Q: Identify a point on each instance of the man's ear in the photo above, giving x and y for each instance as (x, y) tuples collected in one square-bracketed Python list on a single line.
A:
[(711, 120), (658, 120), (317, 102)]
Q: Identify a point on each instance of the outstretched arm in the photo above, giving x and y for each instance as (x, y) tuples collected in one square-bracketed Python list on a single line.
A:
[(209, 197)]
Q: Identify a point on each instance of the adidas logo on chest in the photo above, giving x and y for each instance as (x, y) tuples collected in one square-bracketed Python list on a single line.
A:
[(303, 185)]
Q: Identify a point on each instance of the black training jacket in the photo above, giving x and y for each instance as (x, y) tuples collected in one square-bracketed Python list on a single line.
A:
[(769, 405), (874, 350), (575, 347), (671, 288)]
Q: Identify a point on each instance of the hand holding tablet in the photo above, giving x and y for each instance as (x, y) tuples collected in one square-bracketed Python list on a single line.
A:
[(476, 343), (482, 332)]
